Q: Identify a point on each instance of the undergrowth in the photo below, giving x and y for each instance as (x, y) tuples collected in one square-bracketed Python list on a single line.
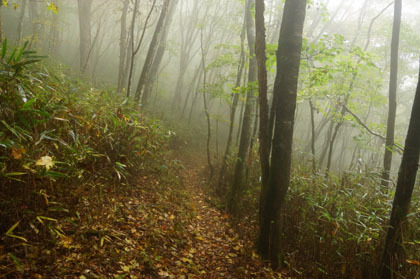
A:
[(63, 145), (334, 227)]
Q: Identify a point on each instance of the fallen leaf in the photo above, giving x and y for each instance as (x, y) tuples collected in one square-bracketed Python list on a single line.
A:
[(46, 161), (18, 152), (414, 262)]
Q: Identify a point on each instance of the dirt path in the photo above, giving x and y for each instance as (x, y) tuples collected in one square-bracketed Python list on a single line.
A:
[(217, 247), (161, 226)]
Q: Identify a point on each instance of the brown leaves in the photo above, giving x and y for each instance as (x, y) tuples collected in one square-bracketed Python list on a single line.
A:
[(17, 153)]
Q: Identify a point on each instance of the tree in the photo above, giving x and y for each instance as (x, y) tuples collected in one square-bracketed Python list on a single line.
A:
[(123, 46), (260, 49), (233, 108), (84, 7), (160, 51), (405, 185), (244, 144), (285, 87), (393, 84), (151, 52)]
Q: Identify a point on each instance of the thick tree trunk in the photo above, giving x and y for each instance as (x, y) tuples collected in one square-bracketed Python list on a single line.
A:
[(151, 54), (285, 86), (246, 134), (393, 251), (85, 7), (393, 81)]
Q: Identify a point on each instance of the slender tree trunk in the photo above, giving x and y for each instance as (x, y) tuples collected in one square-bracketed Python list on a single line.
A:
[(135, 49), (393, 81), (195, 97), (189, 33), (392, 254), (206, 105), (246, 134), (85, 7), (311, 106), (1, 24), (36, 25), (285, 86), (221, 185), (160, 50), (260, 50), (151, 55), (21, 19), (123, 46), (191, 87)]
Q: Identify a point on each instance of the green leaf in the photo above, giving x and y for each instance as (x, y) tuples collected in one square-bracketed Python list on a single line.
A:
[(4, 49), (12, 228), (16, 261), (55, 174), (9, 233)]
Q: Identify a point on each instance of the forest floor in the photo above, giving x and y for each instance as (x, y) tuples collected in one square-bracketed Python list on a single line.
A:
[(160, 228)]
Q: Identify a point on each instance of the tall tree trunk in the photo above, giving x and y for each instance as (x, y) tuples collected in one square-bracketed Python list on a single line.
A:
[(135, 49), (221, 185), (312, 109), (21, 19), (189, 33), (260, 52), (123, 46), (246, 134), (1, 24), (391, 256), (151, 53), (393, 81), (36, 25), (85, 7), (160, 50), (206, 102), (285, 86)]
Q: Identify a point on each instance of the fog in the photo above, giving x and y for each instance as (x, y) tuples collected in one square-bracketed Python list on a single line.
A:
[(197, 67), (56, 34)]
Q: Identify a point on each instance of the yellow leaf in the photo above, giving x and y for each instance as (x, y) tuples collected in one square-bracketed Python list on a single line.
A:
[(414, 262), (53, 7), (45, 161), (5, 3)]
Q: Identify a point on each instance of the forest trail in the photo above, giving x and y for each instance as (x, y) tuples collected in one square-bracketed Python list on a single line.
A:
[(215, 246), (165, 226)]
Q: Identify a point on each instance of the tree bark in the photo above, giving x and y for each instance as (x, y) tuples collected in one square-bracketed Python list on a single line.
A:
[(160, 51), (392, 254), (260, 51), (151, 54), (392, 98), (285, 86)]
